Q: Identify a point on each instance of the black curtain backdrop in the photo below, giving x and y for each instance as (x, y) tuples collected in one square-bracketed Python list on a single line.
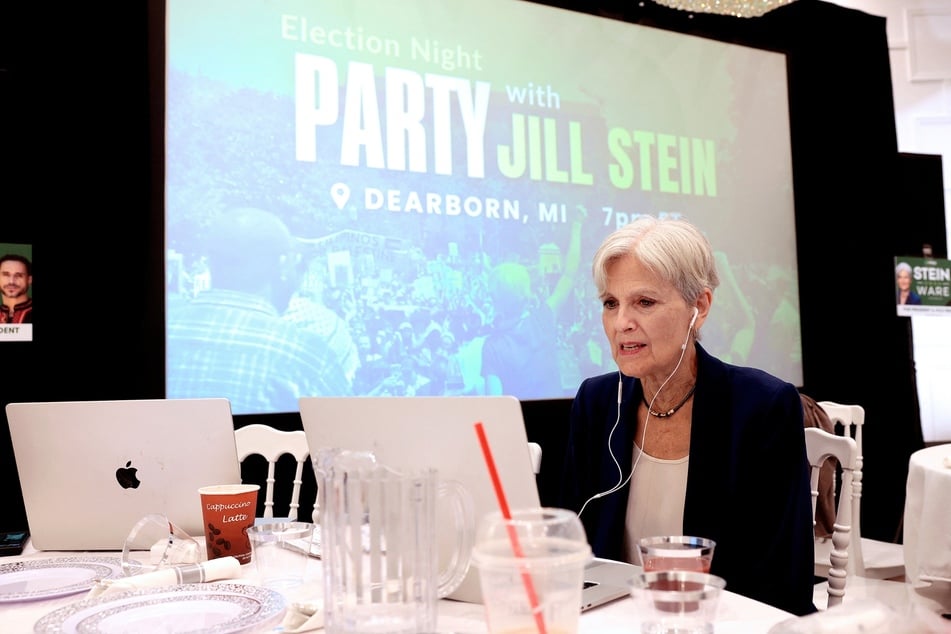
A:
[(81, 181), (921, 192)]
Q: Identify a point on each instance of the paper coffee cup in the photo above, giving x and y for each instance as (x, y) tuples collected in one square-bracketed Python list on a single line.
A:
[(228, 511)]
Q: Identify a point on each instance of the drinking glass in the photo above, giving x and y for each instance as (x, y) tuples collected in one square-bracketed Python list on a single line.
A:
[(155, 543), (676, 552), (677, 601), (531, 569)]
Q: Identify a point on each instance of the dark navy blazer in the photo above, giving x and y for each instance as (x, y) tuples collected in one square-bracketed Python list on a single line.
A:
[(747, 480)]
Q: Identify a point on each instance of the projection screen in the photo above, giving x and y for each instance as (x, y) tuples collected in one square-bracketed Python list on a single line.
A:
[(446, 170)]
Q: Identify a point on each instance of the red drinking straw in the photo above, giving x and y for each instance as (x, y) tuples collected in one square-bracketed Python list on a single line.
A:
[(513, 534)]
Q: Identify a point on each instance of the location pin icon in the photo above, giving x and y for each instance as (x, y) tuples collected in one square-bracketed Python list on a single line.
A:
[(340, 192)]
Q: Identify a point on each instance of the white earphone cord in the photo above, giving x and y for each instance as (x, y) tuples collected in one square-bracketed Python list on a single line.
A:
[(621, 484)]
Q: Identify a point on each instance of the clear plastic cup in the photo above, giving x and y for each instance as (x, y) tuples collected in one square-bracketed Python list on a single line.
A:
[(676, 552), (155, 543), (531, 569), (677, 601)]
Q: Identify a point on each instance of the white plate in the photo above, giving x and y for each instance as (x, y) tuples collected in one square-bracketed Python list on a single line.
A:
[(33, 579), (207, 608)]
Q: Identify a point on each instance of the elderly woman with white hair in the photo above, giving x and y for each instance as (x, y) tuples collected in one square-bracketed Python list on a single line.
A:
[(678, 442), (903, 292)]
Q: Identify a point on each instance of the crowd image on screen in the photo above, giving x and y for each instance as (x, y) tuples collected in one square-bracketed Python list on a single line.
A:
[(420, 327)]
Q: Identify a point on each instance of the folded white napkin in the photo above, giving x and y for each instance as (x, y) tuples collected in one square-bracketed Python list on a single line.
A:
[(213, 570), (303, 617)]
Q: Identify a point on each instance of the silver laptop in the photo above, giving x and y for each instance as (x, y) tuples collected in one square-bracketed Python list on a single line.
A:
[(439, 432), (90, 469), (606, 580)]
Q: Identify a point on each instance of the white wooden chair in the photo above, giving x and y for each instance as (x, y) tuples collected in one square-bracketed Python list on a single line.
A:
[(871, 558), (535, 455), (272, 443), (820, 446)]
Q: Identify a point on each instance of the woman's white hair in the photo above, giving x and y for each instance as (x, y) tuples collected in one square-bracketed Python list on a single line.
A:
[(671, 248)]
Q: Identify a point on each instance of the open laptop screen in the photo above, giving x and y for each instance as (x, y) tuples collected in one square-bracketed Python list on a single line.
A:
[(89, 470)]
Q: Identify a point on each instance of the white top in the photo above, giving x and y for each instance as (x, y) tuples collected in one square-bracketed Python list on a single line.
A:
[(655, 505)]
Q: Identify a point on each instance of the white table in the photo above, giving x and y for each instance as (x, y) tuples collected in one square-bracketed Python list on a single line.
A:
[(927, 523), (736, 614)]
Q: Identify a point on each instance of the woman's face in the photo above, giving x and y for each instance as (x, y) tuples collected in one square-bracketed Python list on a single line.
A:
[(645, 319), (904, 280)]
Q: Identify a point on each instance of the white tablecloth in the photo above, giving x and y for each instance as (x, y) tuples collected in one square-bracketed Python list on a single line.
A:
[(737, 614), (927, 525), (927, 522)]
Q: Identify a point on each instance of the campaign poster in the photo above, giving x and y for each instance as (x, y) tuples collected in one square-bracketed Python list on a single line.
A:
[(16, 292), (922, 286)]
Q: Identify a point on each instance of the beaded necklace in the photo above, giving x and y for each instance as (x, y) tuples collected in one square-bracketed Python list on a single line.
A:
[(673, 409)]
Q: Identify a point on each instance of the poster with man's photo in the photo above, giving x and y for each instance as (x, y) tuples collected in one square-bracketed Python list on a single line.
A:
[(16, 291), (922, 286)]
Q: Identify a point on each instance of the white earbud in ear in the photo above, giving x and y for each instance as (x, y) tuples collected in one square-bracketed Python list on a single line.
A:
[(696, 312)]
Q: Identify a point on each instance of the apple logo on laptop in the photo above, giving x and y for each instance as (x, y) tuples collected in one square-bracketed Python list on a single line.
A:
[(126, 476)]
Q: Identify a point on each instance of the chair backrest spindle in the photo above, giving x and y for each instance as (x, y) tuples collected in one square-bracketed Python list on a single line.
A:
[(852, 419), (821, 446), (272, 443)]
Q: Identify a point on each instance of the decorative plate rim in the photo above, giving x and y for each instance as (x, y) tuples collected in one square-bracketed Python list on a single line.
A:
[(112, 565), (272, 607)]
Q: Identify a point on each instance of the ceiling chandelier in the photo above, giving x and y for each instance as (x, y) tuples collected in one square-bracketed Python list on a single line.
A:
[(736, 8)]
